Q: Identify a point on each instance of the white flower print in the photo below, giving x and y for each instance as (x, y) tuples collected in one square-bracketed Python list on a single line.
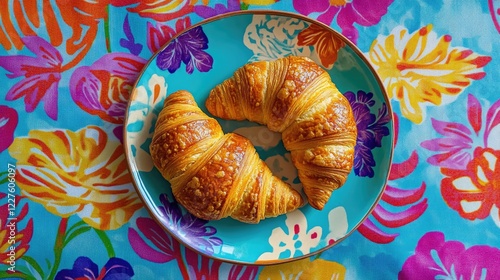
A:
[(295, 240), (143, 113), (272, 37), (337, 219)]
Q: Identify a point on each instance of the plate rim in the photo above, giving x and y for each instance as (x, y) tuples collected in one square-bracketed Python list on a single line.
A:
[(272, 12)]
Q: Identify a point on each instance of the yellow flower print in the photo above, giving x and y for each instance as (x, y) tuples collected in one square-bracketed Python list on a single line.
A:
[(304, 269), (420, 69), (81, 172), (260, 2), (163, 10)]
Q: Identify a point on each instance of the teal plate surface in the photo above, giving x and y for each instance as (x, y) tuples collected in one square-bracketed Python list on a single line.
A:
[(203, 56)]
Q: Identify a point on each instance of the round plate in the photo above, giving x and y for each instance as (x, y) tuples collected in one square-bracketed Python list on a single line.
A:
[(203, 56)]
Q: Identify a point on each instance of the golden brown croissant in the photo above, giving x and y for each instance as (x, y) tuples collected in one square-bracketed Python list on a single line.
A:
[(296, 97), (212, 174)]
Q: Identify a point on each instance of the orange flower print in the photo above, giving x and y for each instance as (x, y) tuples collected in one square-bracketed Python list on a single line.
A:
[(162, 10), (421, 69), (325, 43), (316, 269), (82, 173), (474, 192), (73, 24)]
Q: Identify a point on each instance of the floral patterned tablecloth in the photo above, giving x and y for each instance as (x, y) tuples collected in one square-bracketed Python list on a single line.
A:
[(68, 208)]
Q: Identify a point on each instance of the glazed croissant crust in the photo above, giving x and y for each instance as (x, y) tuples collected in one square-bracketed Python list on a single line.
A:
[(212, 174), (296, 97)]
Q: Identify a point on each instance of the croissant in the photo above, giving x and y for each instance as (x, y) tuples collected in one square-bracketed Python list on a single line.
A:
[(212, 174), (296, 97)]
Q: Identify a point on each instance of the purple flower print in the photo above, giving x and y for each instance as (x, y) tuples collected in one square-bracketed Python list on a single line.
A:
[(371, 129), (41, 75), (194, 229), (162, 248), (129, 42), (207, 12), (187, 48), (435, 258), (188, 225), (85, 268), (361, 12), (8, 123), (159, 34)]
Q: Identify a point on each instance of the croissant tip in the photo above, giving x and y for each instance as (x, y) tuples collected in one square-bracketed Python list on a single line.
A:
[(318, 206)]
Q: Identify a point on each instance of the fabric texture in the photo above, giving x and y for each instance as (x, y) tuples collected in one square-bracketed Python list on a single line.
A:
[(71, 211)]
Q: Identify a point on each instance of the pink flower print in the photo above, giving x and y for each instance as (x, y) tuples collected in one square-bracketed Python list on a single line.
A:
[(458, 141), (103, 88), (347, 12), (8, 123), (435, 258), (41, 75)]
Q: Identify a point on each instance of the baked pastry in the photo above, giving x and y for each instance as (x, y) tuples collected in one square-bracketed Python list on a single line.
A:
[(212, 174), (296, 97)]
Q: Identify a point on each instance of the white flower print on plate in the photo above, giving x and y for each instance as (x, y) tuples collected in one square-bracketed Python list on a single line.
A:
[(295, 240), (142, 115), (272, 37), (338, 224)]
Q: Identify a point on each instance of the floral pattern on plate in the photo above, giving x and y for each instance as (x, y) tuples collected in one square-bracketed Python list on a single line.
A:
[(294, 235), (147, 105)]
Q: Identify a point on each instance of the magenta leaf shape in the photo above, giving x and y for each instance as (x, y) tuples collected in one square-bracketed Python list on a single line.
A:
[(163, 243), (404, 168), (474, 113), (401, 197), (371, 231), (8, 123), (393, 220), (435, 258), (492, 120)]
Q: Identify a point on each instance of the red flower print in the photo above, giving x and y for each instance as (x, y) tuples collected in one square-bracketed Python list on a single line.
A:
[(469, 160), (474, 191)]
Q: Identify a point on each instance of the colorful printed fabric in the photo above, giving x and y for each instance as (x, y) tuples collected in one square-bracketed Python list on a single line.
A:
[(67, 69)]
